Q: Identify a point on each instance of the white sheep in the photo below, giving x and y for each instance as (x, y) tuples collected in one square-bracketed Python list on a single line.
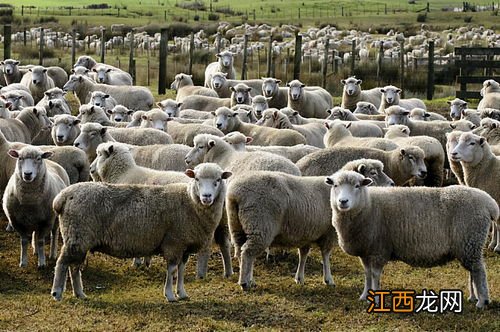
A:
[(181, 220), (454, 226), (455, 166), (222, 85), (352, 94), (240, 94), (110, 76), (65, 129), (491, 95), (338, 134), (204, 103), (101, 99), (27, 200), (5, 112), (11, 71), (37, 81), (358, 128), (120, 113), (363, 107), (51, 94), (91, 113), (471, 115), (136, 119), (19, 99), (26, 126), (391, 96), (419, 114), (456, 108), (309, 103), (224, 64), (259, 105), (184, 86), (278, 96)]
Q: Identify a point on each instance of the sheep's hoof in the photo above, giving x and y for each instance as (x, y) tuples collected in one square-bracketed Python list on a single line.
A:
[(23, 264), (182, 297), (248, 286), (482, 304), (497, 249), (299, 281), (9, 228), (472, 299), (171, 299), (492, 246), (329, 282), (57, 296), (81, 296)]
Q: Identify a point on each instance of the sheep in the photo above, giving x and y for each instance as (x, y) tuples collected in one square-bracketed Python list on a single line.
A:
[(456, 108), (182, 219), (65, 129), (239, 142), (162, 157), (472, 116), (51, 94), (491, 95), (391, 96), (136, 119), (89, 63), (222, 85), (14, 86), (419, 114), (455, 166), (80, 70), (91, 113), (401, 165), (26, 126), (224, 64), (19, 99), (358, 128), (133, 97), (156, 119), (37, 81), (194, 115), (313, 132), (5, 113), (11, 72), (491, 131), (204, 103), (27, 200), (240, 94), (184, 86), (364, 107), (338, 134), (434, 153), (210, 148), (227, 121), (245, 113), (448, 230), (58, 75), (101, 99), (278, 95), (352, 94), (120, 113), (481, 169), (490, 113), (309, 103), (110, 76), (171, 107), (260, 104)]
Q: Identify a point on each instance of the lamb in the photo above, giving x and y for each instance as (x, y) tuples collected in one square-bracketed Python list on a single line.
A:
[(19, 99), (222, 86), (491, 95), (456, 108), (120, 113), (309, 103), (259, 105), (419, 114), (239, 142), (182, 219), (37, 81), (448, 230), (101, 99), (358, 128), (27, 200), (472, 116), (184, 86), (313, 132), (278, 96), (240, 94), (65, 130), (210, 148), (364, 107), (26, 126), (352, 94), (136, 119), (401, 165), (481, 169), (11, 72), (224, 64), (434, 153), (132, 97), (455, 166), (110, 76), (338, 134), (204, 103), (228, 121), (91, 113), (391, 96)]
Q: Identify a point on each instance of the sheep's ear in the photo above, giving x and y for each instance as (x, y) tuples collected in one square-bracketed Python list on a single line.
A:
[(35, 111), (159, 104), (226, 175), (493, 125), (406, 130), (144, 117), (110, 150), (92, 109), (382, 90), (45, 70), (211, 143), (179, 105), (426, 115), (361, 168), (278, 81), (329, 111), (8, 104), (47, 94), (73, 71), (347, 125), (16, 63), (77, 121), (106, 96), (51, 104), (190, 173), (329, 181), (231, 88), (30, 70), (295, 113), (402, 152), (453, 126), (249, 140), (488, 83), (472, 126), (302, 85), (103, 131), (327, 125), (249, 89), (109, 69), (482, 140), (342, 82), (109, 112), (288, 84), (449, 102), (358, 82), (406, 112), (217, 55), (94, 70), (13, 153), (366, 182), (130, 112), (275, 114), (47, 155), (398, 90), (213, 113)]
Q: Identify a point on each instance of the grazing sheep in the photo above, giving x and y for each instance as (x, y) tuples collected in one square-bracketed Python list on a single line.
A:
[(358, 128), (103, 100), (181, 220), (352, 94), (133, 97), (472, 116), (19, 99), (313, 132), (136, 119), (419, 114), (224, 64), (37, 81), (491, 95), (110, 76), (209, 148), (455, 166), (391, 96), (222, 86), (259, 105), (278, 96), (481, 169), (65, 130), (91, 113), (227, 121), (363, 107), (448, 230), (184, 86), (204, 103), (456, 108), (120, 113), (11, 72), (240, 94), (338, 134), (309, 103), (401, 165), (27, 200), (26, 126)]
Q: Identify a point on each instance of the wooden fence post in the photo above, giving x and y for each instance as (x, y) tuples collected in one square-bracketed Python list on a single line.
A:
[(103, 45), (162, 75), (131, 61), (7, 31), (325, 63), (402, 69), (430, 71), (353, 56), (217, 42), (380, 61), (73, 48), (40, 54), (191, 54), (25, 37), (269, 58), (298, 56), (245, 55)]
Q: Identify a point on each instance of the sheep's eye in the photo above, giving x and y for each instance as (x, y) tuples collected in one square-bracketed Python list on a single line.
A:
[(219, 180), (216, 183), (197, 180), (335, 186), (411, 158), (472, 143), (356, 186), (38, 158), (373, 173), (70, 125)]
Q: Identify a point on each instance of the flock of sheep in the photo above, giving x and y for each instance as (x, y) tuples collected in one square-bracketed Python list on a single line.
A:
[(249, 165)]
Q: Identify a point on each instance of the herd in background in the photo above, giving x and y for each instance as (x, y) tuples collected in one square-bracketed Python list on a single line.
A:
[(247, 165)]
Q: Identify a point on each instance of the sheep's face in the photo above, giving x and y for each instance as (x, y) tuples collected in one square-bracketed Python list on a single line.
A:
[(391, 95), (336, 113), (352, 86), (259, 105), (89, 139), (54, 93), (73, 83), (4, 109), (456, 108), (29, 162), (10, 66), (295, 91), (218, 80), (397, 115), (79, 70), (84, 61), (225, 59), (120, 114), (365, 108), (223, 118), (292, 115), (57, 106), (451, 143), (270, 87), (38, 75), (155, 119), (93, 171), (86, 111), (102, 74), (63, 127), (348, 190), (237, 140), (419, 114), (136, 119), (201, 146), (469, 149), (14, 100), (208, 182), (170, 107), (98, 98), (241, 94), (397, 131), (412, 162), (375, 172)]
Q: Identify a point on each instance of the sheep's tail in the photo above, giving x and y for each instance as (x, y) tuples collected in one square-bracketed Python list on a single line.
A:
[(59, 202), (238, 237), (495, 212)]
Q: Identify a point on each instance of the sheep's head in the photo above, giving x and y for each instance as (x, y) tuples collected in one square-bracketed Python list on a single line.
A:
[(218, 80), (30, 162), (397, 131), (352, 86), (225, 59), (364, 107), (73, 82), (63, 126), (202, 144), (10, 66), (470, 149), (156, 119), (38, 75), (180, 79), (237, 140), (452, 142), (91, 135), (412, 163), (370, 168), (295, 89), (207, 183), (390, 94), (98, 98), (260, 104), (120, 113), (348, 190), (270, 87), (456, 108), (85, 61), (396, 115), (224, 118), (338, 113), (170, 107), (271, 118), (102, 74), (241, 93)]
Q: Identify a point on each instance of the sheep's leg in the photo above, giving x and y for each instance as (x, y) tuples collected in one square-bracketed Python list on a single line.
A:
[(147, 261), (168, 291), (202, 263), (494, 236), (181, 292), (24, 251), (368, 278), (34, 239), (221, 237), (472, 289), (256, 243), (9, 227), (478, 273), (75, 275), (299, 275), (497, 247), (54, 237), (327, 272), (59, 279), (40, 249), (137, 262)]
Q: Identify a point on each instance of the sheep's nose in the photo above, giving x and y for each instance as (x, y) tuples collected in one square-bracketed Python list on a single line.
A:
[(219, 125), (423, 174), (76, 144), (343, 202), (207, 195), (454, 154), (392, 184), (35, 81), (60, 137), (97, 104), (118, 119), (187, 160)]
